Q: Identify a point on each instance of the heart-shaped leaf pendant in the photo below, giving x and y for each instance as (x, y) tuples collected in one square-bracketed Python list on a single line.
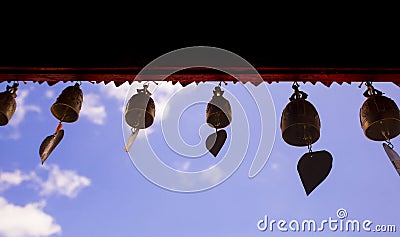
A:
[(215, 142), (313, 168)]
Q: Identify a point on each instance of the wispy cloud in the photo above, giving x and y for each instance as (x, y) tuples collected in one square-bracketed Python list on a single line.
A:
[(18, 117), (27, 220), (119, 93), (22, 108), (58, 181), (15, 178), (213, 177), (63, 182), (162, 95), (50, 94), (182, 166), (92, 109), (31, 219)]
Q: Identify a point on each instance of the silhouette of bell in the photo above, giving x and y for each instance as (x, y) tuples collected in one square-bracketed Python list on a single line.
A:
[(300, 123), (68, 104), (140, 109), (379, 116), (140, 112), (8, 104), (218, 112)]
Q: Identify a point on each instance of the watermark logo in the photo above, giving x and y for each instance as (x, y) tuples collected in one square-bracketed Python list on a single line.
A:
[(340, 223), (341, 213), (251, 133)]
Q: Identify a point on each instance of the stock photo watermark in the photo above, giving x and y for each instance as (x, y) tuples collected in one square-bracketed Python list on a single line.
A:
[(340, 223)]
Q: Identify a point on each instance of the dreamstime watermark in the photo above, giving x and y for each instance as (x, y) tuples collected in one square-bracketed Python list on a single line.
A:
[(252, 106), (339, 223)]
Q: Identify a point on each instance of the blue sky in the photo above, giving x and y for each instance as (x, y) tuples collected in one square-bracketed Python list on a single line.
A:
[(90, 187)]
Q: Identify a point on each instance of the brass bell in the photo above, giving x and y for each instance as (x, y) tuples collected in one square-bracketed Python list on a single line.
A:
[(140, 109), (379, 116), (300, 123), (8, 104), (68, 104), (218, 112)]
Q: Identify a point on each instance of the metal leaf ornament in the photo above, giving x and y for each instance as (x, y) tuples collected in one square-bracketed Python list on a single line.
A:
[(313, 168)]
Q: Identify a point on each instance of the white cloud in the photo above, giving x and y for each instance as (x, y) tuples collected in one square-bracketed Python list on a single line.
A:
[(118, 93), (213, 177), (93, 110), (22, 108), (275, 166), (25, 221), (185, 166), (30, 220), (50, 94), (9, 179), (162, 94), (63, 182)]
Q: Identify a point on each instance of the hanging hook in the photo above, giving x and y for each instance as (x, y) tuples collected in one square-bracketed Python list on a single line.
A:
[(147, 83), (144, 89), (390, 145), (220, 83), (371, 91), (217, 91), (12, 89), (133, 129), (298, 94), (386, 136), (309, 146)]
